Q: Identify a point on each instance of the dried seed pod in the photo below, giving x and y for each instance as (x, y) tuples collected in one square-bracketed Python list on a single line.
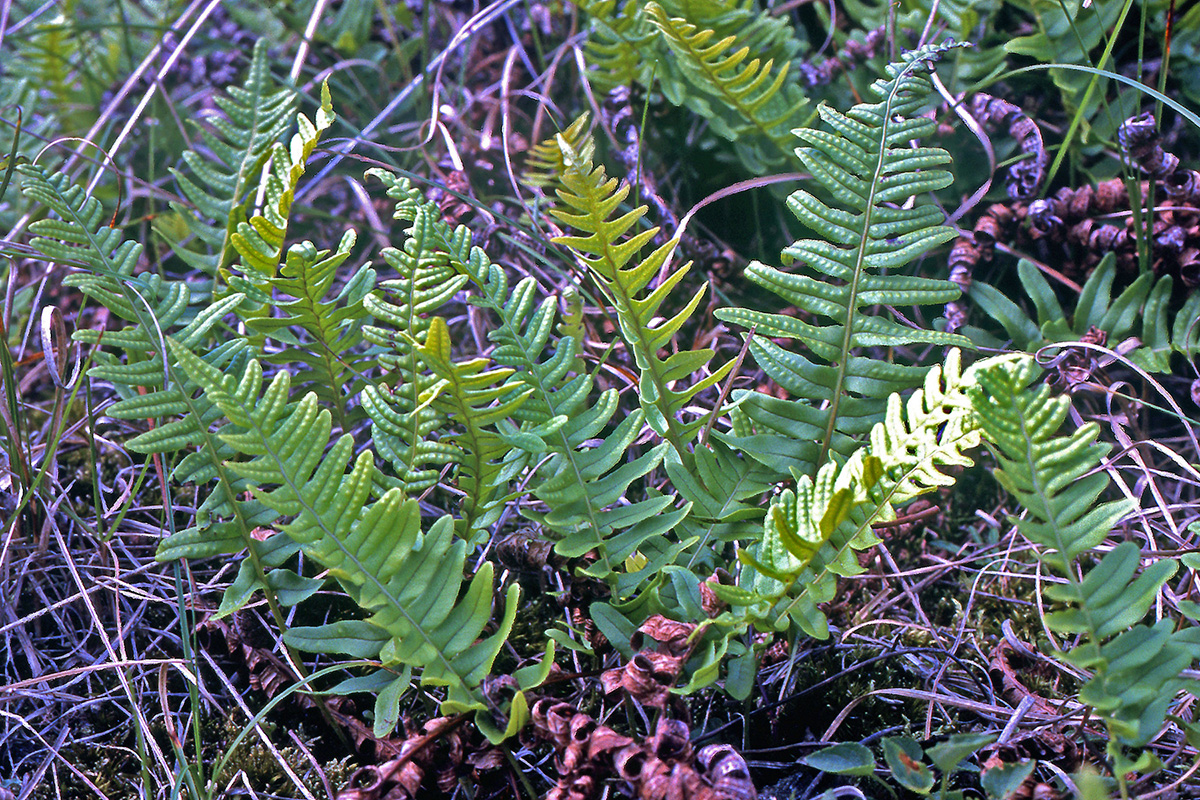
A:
[(629, 761), (1169, 239), (670, 740), (552, 719), (994, 225), (648, 677), (671, 635), (955, 314), (964, 255), (728, 773), (1025, 177), (525, 552), (1183, 186), (1110, 195), (1043, 216), (709, 601), (1138, 136), (1189, 267)]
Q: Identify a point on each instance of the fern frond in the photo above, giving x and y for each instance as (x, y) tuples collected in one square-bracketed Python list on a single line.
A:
[(753, 100), (620, 43), (224, 524), (476, 399), (409, 581), (592, 198), (724, 488), (585, 481), (867, 163), (319, 332), (1057, 479), (260, 240), (401, 423), (810, 534), (544, 163), (221, 178)]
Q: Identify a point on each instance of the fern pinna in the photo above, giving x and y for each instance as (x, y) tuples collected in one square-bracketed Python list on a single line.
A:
[(1136, 668), (868, 164)]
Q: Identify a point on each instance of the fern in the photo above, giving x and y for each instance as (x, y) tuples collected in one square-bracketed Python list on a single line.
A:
[(754, 102), (402, 425), (260, 240), (469, 394), (620, 44), (592, 198), (332, 361), (224, 525), (410, 582), (868, 165), (585, 480), (810, 534), (224, 175), (1136, 668)]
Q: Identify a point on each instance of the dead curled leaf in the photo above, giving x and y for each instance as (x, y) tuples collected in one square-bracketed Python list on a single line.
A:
[(648, 677), (663, 767), (650, 674)]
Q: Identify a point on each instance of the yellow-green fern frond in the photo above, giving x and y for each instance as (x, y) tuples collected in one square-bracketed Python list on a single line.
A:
[(260, 241), (592, 200), (810, 534)]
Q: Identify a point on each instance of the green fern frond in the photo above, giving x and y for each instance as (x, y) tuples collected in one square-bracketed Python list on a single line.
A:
[(585, 482), (724, 488), (402, 425), (409, 581), (593, 198), (866, 161), (476, 399), (749, 100), (318, 332), (1058, 481), (620, 44), (222, 178), (224, 524), (1059, 485)]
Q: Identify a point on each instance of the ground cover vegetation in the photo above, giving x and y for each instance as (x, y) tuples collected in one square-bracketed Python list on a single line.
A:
[(650, 399)]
